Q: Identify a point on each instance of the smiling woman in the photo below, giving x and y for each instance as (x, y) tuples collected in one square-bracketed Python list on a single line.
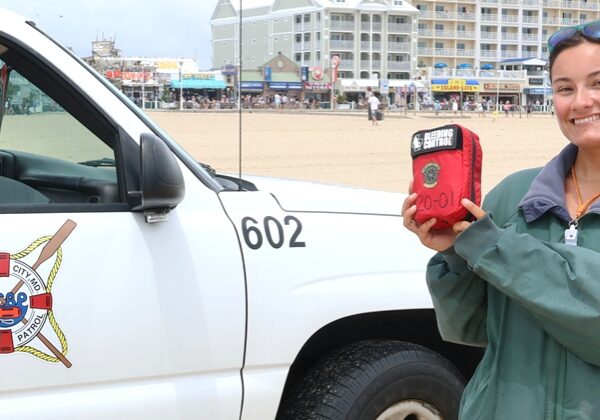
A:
[(524, 284)]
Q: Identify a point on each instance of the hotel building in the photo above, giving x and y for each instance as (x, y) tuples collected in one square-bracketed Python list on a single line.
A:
[(489, 41)]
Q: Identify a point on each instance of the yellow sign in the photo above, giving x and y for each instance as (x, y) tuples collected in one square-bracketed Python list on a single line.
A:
[(454, 88), (455, 85)]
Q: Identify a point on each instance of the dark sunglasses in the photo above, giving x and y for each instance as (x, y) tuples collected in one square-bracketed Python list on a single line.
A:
[(589, 30)]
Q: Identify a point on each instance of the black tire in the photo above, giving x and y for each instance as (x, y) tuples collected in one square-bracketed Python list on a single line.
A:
[(369, 379)]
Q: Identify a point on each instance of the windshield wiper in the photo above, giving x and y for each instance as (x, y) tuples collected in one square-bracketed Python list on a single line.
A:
[(99, 162)]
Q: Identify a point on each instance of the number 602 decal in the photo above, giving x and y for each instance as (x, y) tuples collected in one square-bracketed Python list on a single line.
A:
[(254, 232)]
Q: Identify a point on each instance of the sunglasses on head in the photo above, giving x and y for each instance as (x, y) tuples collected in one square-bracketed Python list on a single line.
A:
[(589, 30)]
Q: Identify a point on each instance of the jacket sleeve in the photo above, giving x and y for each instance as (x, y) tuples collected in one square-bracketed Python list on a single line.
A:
[(459, 299), (559, 284)]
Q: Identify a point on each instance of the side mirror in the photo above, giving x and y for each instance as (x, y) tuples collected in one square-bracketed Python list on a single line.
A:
[(162, 182)]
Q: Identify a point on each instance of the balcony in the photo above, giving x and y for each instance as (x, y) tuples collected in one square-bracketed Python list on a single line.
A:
[(510, 37), (532, 3), (425, 33), (509, 54), (341, 25), (531, 20), (489, 36), (398, 65), (529, 38), (465, 34), (510, 19), (341, 44), (426, 14), (370, 26), (569, 4), (399, 47), (346, 64), (529, 54), (489, 17), (466, 16), (489, 1), (488, 53), (302, 46), (403, 28), (510, 2), (365, 64), (552, 3), (590, 6), (465, 52), (551, 20), (370, 45)]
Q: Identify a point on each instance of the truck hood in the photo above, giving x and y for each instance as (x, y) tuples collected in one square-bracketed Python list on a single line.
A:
[(295, 195)]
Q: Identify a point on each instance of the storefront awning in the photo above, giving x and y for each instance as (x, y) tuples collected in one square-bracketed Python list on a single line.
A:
[(198, 84)]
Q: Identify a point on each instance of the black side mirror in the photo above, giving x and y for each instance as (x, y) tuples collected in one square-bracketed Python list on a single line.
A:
[(161, 178)]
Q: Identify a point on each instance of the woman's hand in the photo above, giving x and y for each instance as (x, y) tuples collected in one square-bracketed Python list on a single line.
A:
[(438, 240)]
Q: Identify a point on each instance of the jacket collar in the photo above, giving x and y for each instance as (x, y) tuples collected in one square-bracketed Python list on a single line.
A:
[(547, 191)]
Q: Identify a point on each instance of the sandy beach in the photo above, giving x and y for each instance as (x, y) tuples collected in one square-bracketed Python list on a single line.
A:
[(343, 148)]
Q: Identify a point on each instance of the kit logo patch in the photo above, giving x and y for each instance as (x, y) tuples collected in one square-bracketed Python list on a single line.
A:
[(430, 141), (26, 310), (431, 173)]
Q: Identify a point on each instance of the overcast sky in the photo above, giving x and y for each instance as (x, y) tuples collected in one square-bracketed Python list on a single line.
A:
[(168, 28)]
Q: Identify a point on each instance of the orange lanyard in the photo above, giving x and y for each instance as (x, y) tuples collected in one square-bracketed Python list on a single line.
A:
[(583, 207)]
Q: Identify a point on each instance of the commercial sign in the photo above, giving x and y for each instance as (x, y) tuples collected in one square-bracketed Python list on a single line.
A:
[(268, 73), (317, 85), (198, 76), (252, 85), (538, 91), (286, 85), (384, 86), (304, 73), (501, 86), (454, 85)]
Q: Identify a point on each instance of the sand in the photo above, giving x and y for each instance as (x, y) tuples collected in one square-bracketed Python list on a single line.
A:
[(344, 148)]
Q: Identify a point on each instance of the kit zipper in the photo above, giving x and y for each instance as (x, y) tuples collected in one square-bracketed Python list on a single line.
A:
[(473, 162)]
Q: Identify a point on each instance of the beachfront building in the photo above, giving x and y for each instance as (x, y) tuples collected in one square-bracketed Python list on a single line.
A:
[(501, 35), (483, 33), (374, 40)]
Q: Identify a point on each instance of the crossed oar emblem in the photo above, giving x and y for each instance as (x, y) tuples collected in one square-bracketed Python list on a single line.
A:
[(22, 314)]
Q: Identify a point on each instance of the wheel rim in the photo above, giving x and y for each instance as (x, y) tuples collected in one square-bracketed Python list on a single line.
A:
[(410, 410)]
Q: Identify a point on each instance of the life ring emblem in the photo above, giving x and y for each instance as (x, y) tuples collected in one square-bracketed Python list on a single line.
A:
[(26, 299)]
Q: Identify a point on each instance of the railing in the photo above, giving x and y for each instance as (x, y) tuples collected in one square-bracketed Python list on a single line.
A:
[(511, 19), (489, 17), (506, 36), (509, 54), (341, 44), (399, 46), (346, 64), (489, 36), (488, 53), (399, 27), (531, 3), (529, 54), (344, 25), (531, 20), (300, 46), (398, 65), (529, 38), (368, 64)]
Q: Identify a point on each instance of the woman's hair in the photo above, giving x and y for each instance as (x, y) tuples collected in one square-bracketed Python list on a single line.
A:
[(573, 41)]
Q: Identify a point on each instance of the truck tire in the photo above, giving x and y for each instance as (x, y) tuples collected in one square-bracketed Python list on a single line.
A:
[(377, 380)]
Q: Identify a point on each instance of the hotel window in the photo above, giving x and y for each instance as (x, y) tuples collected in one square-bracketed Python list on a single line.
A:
[(439, 8), (439, 45), (298, 57), (460, 46), (306, 18), (298, 18), (306, 57)]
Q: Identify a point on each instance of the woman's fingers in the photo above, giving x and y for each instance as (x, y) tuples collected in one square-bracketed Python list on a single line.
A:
[(473, 208)]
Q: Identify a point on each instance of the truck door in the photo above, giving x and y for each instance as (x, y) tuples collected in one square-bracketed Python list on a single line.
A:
[(102, 313)]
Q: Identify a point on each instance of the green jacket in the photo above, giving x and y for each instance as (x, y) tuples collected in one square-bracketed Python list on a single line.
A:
[(512, 285)]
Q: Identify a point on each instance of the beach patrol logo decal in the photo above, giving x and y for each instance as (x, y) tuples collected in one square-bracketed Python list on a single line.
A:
[(26, 312), (431, 173)]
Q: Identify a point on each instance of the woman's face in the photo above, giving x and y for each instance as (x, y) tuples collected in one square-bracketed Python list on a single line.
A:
[(576, 87)]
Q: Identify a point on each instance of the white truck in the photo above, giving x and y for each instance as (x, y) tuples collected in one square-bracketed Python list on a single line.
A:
[(137, 284)]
